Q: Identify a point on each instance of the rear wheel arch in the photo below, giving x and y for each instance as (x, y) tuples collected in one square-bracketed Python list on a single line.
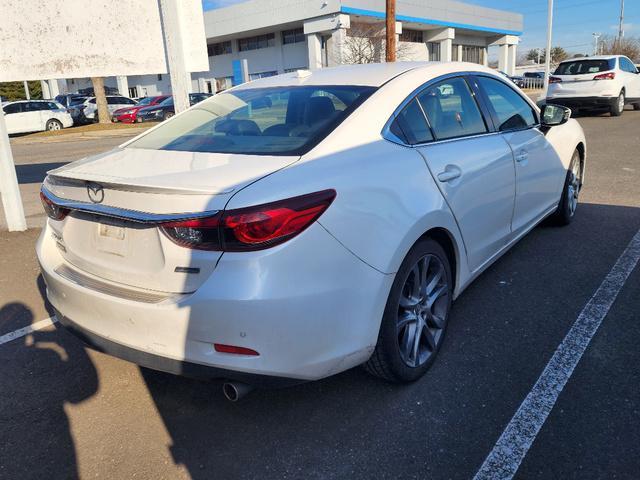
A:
[(446, 240)]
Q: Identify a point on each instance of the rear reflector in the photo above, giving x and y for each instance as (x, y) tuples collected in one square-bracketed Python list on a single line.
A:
[(52, 210), (251, 228), (555, 80), (234, 349), (605, 76)]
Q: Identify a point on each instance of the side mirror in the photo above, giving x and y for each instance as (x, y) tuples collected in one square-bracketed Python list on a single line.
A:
[(554, 115)]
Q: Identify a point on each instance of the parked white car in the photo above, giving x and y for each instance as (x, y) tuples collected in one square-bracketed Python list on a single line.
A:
[(26, 116), (605, 82), (300, 225), (114, 102)]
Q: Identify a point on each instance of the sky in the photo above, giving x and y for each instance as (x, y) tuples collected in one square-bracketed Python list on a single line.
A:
[(574, 20)]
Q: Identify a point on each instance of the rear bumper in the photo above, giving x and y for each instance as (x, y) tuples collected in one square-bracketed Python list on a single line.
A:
[(309, 307), (577, 103), (168, 365)]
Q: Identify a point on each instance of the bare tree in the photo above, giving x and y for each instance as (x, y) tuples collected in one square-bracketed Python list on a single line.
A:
[(627, 46), (366, 43)]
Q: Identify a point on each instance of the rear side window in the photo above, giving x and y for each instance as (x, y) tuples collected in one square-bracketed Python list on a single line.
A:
[(411, 125), (451, 109), (581, 67), (512, 111), (13, 108), (627, 66)]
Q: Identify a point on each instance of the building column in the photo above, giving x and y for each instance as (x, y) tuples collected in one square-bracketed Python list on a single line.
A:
[(511, 59), (507, 53), (446, 50), (314, 51), (202, 85), (123, 85), (280, 56), (485, 57), (53, 88), (46, 93), (334, 25), (336, 45), (140, 91), (445, 37)]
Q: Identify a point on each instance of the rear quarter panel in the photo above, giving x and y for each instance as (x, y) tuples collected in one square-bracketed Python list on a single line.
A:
[(386, 198)]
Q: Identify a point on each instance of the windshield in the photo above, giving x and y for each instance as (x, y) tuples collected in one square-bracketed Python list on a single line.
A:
[(167, 102), (259, 121), (581, 67), (145, 101)]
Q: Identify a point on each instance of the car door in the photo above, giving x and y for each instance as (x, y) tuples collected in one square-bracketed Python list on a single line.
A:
[(472, 166), (539, 171), (631, 78)]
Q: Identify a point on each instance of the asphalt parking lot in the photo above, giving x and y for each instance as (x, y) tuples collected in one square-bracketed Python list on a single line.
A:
[(67, 411)]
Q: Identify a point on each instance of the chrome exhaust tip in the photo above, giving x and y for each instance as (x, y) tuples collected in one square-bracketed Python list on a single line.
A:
[(234, 391)]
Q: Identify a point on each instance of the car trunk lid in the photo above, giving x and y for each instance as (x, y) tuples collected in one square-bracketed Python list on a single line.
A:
[(118, 198)]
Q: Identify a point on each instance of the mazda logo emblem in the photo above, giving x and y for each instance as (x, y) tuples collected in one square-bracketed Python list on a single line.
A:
[(95, 192)]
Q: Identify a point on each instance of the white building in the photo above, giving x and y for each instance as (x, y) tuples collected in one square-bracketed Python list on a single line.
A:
[(276, 36)]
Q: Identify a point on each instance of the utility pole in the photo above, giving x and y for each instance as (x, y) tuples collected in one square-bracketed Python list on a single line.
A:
[(391, 31), (547, 53), (596, 36), (26, 90), (621, 26)]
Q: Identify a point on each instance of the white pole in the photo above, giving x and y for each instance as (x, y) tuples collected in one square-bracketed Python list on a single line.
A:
[(596, 36), (547, 54), (26, 90), (9, 189), (172, 31)]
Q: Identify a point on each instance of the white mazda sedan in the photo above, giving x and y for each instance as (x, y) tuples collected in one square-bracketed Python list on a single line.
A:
[(297, 226)]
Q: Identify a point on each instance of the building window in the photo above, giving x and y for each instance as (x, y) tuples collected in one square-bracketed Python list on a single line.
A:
[(412, 36), (221, 48), (133, 92), (293, 36), (255, 76), (254, 43), (222, 83), (289, 70), (434, 51), (471, 54), (159, 77)]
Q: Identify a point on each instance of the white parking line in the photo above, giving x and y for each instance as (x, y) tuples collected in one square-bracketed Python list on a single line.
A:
[(21, 332), (516, 439)]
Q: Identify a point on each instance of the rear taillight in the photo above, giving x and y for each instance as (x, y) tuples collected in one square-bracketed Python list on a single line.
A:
[(605, 76), (53, 211), (252, 228), (219, 347), (555, 80)]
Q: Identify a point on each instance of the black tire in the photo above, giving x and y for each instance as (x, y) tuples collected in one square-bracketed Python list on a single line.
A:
[(636, 106), (167, 115), (618, 106), (53, 124), (387, 361), (565, 212)]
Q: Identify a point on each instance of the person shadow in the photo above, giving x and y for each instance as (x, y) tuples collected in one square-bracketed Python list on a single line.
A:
[(43, 372)]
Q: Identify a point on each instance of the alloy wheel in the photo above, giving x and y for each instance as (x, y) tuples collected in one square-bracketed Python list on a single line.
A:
[(573, 189), (422, 311)]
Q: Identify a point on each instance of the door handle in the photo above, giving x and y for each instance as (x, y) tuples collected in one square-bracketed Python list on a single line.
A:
[(451, 172), (522, 156)]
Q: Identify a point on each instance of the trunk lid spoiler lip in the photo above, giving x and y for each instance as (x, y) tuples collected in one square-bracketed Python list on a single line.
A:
[(123, 213)]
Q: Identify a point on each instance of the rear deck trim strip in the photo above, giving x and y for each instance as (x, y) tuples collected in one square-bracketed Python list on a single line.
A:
[(123, 213)]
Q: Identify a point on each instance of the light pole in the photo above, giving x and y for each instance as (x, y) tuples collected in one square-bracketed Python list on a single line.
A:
[(596, 36), (547, 54)]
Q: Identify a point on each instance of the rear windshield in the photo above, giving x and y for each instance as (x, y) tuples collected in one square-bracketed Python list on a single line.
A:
[(259, 121), (580, 67)]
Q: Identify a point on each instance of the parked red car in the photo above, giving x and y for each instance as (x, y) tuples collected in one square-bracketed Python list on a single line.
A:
[(128, 114)]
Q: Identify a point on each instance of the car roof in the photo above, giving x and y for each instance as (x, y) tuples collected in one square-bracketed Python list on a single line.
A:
[(594, 57), (372, 74), (25, 100)]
